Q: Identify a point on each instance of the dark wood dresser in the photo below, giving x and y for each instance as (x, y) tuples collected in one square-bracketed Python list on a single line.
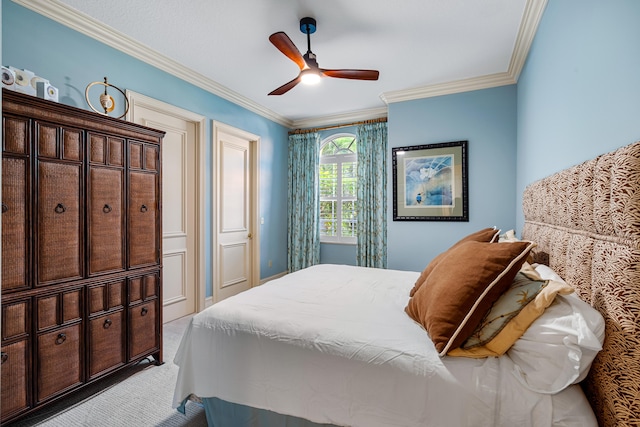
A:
[(81, 249)]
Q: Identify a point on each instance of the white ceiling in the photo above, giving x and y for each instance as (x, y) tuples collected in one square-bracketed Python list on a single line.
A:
[(421, 47)]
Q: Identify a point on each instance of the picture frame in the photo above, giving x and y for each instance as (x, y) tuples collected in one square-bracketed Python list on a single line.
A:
[(431, 182)]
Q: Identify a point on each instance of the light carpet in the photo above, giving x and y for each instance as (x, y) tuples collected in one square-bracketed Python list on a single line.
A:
[(137, 396)]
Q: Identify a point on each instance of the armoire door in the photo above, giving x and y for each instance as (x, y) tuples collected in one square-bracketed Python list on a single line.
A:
[(144, 200), (106, 204), (60, 210), (16, 192), (15, 253)]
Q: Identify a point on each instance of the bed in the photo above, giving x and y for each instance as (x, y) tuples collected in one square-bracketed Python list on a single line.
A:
[(333, 345)]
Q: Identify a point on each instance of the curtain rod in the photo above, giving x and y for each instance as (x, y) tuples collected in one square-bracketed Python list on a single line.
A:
[(344, 125)]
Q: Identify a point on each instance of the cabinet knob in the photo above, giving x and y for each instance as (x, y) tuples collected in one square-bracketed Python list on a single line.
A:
[(144, 311), (107, 323), (5, 356), (60, 208), (4, 207), (61, 338), (106, 209), (143, 208)]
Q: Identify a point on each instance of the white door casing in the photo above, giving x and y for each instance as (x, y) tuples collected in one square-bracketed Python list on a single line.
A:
[(236, 237), (182, 202)]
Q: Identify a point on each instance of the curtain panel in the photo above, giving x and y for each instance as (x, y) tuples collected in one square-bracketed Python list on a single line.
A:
[(303, 243), (372, 195)]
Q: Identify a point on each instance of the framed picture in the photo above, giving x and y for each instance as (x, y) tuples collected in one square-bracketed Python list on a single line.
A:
[(430, 182)]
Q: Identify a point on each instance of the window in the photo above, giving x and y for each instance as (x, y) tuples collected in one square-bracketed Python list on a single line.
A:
[(338, 189)]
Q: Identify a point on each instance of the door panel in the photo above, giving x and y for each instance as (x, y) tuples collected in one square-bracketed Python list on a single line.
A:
[(234, 230), (106, 230), (15, 373), (60, 234), (143, 329), (143, 208), (106, 343), (15, 252), (59, 361)]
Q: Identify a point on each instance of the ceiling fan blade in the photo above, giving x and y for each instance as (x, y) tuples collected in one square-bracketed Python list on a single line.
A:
[(352, 74), (286, 87), (284, 44)]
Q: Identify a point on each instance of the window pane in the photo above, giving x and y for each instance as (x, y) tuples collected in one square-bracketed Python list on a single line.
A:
[(345, 144), (349, 220), (328, 149), (328, 218), (328, 180), (349, 179)]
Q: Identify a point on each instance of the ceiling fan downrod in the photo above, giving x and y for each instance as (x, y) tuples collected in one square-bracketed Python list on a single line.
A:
[(308, 27)]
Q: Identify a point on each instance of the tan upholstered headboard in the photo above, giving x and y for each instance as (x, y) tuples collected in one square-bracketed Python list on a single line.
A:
[(586, 221)]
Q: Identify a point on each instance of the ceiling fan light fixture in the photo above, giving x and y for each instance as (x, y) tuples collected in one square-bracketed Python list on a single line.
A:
[(310, 77), (310, 72)]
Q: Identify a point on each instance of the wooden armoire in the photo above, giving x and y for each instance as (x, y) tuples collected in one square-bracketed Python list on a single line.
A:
[(81, 249)]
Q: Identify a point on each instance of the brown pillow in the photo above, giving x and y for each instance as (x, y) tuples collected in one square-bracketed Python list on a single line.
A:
[(484, 235), (463, 285)]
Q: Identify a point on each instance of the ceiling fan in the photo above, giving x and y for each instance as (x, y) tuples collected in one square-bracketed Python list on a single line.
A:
[(310, 72)]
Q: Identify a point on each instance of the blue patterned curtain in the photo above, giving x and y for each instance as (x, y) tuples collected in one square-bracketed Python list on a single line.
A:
[(303, 248), (372, 195)]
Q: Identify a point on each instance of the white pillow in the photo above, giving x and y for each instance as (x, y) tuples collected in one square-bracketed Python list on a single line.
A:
[(558, 348)]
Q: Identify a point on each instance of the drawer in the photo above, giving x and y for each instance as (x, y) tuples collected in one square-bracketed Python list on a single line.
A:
[(106, 297), (143, 288), (143, 329), (59, 361), (16, 378), (15, 320), (107, 340), (59, 309)]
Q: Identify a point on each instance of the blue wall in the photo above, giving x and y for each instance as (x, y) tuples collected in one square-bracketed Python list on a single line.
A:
[(70, 61), (577, 97), (579, 92), (487, 119)]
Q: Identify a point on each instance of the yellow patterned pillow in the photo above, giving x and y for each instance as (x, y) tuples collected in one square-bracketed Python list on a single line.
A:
[(493, 337)]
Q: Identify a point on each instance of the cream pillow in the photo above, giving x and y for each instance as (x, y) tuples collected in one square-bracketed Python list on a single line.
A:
[(510, 316)]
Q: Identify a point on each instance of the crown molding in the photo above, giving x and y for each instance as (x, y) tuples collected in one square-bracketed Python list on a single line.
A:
[(531, 17), (355, 116), (448, 88), (89, 26), (526, 33)]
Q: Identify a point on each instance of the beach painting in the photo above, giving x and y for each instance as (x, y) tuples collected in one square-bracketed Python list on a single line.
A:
[(429, 181)]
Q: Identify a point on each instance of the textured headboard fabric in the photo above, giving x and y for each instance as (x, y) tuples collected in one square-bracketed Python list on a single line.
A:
[(586, 222)]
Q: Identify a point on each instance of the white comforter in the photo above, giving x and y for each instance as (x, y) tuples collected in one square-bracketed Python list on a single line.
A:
[(333, 344)]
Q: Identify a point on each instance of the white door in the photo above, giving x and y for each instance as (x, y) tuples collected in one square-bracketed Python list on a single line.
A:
[(180, 183), (236, 231)]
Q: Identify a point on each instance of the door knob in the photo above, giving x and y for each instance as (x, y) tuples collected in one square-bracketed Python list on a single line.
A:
[(250, 236)]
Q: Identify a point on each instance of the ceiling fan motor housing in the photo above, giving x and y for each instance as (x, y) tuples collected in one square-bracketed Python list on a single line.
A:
[(308, 24)]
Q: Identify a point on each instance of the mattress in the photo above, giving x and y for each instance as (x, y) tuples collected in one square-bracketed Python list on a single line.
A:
[(332, 344)]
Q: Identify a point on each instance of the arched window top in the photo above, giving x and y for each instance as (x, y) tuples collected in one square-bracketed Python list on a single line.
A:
[(343, 143)]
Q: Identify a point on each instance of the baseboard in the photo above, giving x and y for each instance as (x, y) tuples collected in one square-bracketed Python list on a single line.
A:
[(209, 300), (276, 276)]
